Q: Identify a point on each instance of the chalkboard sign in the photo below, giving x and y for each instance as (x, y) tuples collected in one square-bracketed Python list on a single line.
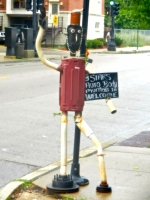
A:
[(101, 86)]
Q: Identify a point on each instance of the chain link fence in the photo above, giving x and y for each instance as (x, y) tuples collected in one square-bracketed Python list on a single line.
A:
[(133, 37)]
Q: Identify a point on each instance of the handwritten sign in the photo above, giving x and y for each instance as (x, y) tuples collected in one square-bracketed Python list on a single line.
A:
[(101, 86)]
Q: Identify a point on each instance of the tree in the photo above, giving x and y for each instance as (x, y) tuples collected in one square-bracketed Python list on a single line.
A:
[(133, 14)]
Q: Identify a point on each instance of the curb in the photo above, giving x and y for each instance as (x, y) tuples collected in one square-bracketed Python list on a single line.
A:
[(8, 189), (18, 61), (121, 52), (54, 57)]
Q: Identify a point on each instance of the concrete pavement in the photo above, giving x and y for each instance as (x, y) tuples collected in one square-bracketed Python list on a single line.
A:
[(128, 174), (128, 171)]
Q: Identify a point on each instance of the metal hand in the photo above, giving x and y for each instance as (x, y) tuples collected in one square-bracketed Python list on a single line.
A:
[(43, 12), (42, 20)]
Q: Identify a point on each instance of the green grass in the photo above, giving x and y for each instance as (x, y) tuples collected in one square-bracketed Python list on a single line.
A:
[(71, 198), (28, 185), (133, 39)]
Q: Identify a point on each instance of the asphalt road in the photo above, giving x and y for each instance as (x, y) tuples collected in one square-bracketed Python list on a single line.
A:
[(30, 133)]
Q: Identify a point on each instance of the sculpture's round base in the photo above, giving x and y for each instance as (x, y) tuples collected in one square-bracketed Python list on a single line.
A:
[(63, 184), (80, 180)]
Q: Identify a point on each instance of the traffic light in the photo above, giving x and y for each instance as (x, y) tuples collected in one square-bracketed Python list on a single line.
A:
[(112, 2), (107, 10), (116, 8), (39, 3), (28, 4)]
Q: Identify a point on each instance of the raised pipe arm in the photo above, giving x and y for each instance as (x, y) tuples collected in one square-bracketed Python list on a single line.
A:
[(42, 27)]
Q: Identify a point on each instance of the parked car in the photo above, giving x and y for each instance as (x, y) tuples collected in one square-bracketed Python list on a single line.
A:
[(2, 36), (19, 36)]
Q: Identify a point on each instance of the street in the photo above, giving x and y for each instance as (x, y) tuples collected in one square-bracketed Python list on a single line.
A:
[(29, 97)]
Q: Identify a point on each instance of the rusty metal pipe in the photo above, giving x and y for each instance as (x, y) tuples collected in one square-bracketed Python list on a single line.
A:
[(111, 106), (64, 121), (40, 52), (101, 162), (84, 127)]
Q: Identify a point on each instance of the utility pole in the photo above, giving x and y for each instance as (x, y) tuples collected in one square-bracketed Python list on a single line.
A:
[(34, 25), (36, 4), (84, 26), (114, 7), (111, 42), (75, 167)]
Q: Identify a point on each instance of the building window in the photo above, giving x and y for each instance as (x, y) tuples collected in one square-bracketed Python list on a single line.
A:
[(22, 3), (17, 4), (54, 9), (97, 25)]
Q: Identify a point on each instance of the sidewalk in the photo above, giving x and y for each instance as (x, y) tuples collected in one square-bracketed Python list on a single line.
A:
[(127, 174), (127, 167), (122, 50)]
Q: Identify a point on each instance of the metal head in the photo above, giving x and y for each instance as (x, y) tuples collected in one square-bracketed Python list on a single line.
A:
[(74, 38)]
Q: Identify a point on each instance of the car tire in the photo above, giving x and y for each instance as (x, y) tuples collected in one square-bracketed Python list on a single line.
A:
[(18, 40)]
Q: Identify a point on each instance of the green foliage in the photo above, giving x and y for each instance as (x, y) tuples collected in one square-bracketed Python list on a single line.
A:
[(96, 43), (89, 44), (26, 183), (118, 41), (103, 40), (133, 14), (67, 197)]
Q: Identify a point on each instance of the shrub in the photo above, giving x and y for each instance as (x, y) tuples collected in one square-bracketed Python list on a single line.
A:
[(103, 40), (96, 43), (89, 44), (100, 44), (118, 41)]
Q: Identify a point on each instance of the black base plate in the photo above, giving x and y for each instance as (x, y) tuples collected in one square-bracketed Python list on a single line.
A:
[(63, 184), (103, 189), (74, 188), (80, 180)]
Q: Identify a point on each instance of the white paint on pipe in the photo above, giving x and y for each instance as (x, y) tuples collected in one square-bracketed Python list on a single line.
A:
[(64, 119), (84, 127), (97, 144), (40, 52), (102, 168)]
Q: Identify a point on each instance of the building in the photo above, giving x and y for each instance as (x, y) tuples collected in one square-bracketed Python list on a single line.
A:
[(14, 12), (3, 18)]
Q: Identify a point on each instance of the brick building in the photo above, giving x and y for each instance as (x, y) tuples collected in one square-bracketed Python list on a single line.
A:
[(14, 11)]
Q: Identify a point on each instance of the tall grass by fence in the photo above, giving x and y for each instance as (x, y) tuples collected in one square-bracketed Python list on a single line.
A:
[(133, 37)]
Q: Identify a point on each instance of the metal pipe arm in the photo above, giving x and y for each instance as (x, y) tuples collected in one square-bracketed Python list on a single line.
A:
[(40, 51)]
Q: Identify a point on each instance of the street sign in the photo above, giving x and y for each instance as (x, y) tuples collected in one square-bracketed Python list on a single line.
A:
[(55, 20), (101, 86)]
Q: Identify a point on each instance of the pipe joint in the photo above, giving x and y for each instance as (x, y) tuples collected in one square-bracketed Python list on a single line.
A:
[(101, 154), (64, 120), (78, 119), (91, 135)]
